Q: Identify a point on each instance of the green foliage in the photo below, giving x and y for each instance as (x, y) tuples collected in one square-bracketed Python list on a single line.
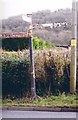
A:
[(41, 44), (35, 43)]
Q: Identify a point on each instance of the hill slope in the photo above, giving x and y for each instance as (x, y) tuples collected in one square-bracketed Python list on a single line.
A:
[(58, 35)]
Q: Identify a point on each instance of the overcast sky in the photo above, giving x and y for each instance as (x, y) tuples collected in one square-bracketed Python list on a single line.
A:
[(15, 7)]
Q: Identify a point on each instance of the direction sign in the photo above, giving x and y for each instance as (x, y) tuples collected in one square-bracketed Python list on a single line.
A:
[(27, 18)]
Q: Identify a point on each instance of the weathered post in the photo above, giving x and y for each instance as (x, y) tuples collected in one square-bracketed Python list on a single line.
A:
[(28, 18), (32, 69), (73, 49)]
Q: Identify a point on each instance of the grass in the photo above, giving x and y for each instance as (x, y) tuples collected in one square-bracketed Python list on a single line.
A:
[(54, 101), (0, 102)]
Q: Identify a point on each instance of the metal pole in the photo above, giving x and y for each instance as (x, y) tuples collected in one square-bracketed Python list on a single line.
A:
[(73, 49), (32, 71)]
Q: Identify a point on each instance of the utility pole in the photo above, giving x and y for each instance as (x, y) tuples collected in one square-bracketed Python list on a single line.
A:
[(73, 49)]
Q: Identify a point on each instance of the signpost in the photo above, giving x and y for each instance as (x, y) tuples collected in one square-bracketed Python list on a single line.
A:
[(28, 18)]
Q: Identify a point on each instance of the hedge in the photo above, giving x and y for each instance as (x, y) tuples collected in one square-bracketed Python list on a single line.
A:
[(13, 44), (52, 71)]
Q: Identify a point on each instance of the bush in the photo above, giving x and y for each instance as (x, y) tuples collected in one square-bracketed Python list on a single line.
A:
[(41, 44)]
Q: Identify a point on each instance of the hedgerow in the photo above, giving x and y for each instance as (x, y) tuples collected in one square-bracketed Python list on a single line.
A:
[(52, 72), (13, 44)]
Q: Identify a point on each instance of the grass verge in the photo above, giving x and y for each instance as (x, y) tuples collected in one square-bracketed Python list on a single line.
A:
[(52, 101)]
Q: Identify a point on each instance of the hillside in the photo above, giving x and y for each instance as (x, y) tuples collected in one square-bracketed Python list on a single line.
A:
[(16, 23), (52, 26)]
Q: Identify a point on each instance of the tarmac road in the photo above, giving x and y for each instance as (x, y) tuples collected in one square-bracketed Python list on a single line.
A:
[(37, 114), (0, 114)]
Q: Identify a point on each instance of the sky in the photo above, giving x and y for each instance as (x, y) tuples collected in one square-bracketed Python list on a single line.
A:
[(10, 8)]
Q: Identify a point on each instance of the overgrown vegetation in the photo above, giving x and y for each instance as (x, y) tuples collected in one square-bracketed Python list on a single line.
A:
[(51, 71)]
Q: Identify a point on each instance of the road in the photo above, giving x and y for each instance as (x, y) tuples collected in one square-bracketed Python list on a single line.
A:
[(37, 114), (0, 114)]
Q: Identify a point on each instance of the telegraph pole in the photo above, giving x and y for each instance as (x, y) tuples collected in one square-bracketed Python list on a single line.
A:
[(73, 49)]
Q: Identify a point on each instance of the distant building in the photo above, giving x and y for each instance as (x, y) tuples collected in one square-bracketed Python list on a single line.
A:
[(55, 25), (48, 25)]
